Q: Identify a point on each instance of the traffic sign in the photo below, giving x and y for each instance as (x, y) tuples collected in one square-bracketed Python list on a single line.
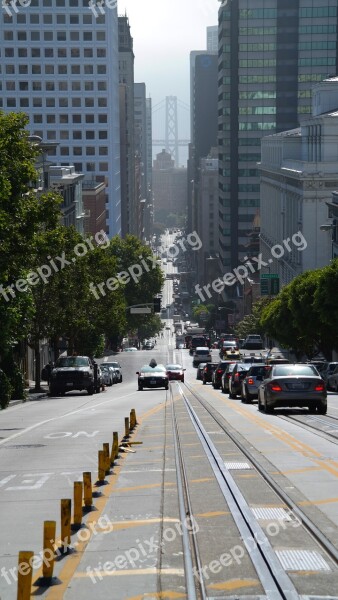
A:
[(140, 311)]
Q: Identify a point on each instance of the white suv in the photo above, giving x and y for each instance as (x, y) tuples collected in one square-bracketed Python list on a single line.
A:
[(201, 355)]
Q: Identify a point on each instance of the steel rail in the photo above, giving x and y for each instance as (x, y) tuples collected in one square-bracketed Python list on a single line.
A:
[(322, 540), (185, 509), (320, 432), (274, 579)]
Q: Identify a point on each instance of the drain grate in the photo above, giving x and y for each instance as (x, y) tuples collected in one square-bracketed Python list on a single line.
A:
[(271, 514), (231, 466), (302, 560)]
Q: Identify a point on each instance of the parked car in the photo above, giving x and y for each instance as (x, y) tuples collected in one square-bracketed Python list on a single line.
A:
[(207, 372), (326, 374), (132, 349), (235, 380), (201, 354), (226, 376), (73, 373), (175, 372), (152, 377), (293, 385), (217, 374), (253, 342), (115, 365), (332, 381), (252, 381), (108, 375), (199, 373)]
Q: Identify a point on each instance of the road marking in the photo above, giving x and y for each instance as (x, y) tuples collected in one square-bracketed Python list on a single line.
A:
[(234, 584), (147, 486), (122, 573), (73, 412)]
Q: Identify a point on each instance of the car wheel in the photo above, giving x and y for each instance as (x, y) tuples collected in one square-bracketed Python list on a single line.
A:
[(166, 387), (53, 391), (268, 409), (260, 406), (204, 382), (121, 379), (322, 410), (312, 409), (182, 380), (90, 390), (140, 388), (232, 396)]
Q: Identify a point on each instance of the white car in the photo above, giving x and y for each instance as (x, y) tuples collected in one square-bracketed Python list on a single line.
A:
[(107, 375), (116, 368)]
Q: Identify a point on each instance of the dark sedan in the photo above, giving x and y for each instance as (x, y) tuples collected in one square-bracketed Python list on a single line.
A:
[(235, 381), (175, 372), (152, 377), (293, 385), (218, 372), (207, 372)]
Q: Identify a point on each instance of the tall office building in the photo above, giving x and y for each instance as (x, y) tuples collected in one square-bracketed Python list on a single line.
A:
[(212, 38), (127, 150), (60, 66), (271, 54)]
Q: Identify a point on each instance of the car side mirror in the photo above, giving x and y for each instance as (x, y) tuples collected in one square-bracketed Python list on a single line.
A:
[(137, 372), (184, 369)]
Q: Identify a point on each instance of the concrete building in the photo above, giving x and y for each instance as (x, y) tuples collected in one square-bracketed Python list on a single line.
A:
[(212, 38), (208, 215), (169, 188), (94, 204), (140, 124), (299, 172), (127, 146), (271, 54), (68, 183), (61, 68)]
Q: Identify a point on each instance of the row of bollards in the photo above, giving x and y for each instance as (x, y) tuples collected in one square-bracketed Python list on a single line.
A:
[(83, 501)]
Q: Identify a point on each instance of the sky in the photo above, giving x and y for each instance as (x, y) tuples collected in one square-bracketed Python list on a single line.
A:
[(164, 33)]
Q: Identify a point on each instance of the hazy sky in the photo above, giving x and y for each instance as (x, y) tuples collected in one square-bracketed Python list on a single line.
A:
[(164, 33)]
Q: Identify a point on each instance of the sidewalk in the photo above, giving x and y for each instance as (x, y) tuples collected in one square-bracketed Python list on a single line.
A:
[(31, 395)]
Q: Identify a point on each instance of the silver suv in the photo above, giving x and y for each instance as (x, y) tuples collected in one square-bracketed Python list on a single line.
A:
[(252, 381)]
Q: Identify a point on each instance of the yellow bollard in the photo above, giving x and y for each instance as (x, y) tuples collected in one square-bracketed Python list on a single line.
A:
[(115, 447), (87, 489), (66, 518), (78, 494), (107, 455), (134, 417), (49, 529), (102, 466), (126, 427), (131, 420), (25, 575)]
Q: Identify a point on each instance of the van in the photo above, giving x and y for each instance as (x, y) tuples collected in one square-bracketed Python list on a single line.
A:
[(201, 355)]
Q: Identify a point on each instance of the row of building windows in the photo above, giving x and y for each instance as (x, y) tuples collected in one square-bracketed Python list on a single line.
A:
[(324, 45), (316, 11), (317, 29), (62, 52), (47, 36), (257, 31), (49, 18), (242, 157), (257, 62), (244, 126), (249, 141), (62, 102), (257, 95), (65, 118), (50, 86), (65, 134), (249, 187), (257, 110), (79, 150), (258, 13), (316, 62), (248, 173), (50, 69), (257, 79), (58, 3), (310, 77), (257, 47)]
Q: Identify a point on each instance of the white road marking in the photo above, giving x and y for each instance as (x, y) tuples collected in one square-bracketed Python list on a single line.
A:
[(73, 412)]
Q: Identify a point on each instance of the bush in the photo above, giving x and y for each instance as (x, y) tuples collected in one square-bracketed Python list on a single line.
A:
[(5, 390), (17, 381)]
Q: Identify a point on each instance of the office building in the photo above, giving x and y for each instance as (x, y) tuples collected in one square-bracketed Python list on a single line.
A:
[(212, 38), (298, 177), (61, 68), (272, 52), (127, 147), (169, 188)]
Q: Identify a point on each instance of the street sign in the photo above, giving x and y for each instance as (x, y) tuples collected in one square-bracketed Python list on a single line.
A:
[(140, 311), (269, 284)]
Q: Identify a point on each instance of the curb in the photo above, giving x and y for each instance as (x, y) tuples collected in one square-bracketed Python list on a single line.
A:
[(30, 397)]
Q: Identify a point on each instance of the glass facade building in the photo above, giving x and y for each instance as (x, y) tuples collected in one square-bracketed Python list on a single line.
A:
[(271, 53)]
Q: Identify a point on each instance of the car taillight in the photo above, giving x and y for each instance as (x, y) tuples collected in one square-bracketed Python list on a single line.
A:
[(320, 387), (250, 381), (228, 375), (237, 376), (275, 387)]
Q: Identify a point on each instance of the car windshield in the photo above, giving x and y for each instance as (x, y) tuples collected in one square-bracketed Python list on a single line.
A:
[(231, 343), (148, 369), (242, 367), (72, 361), (230, 367), (294, 370)]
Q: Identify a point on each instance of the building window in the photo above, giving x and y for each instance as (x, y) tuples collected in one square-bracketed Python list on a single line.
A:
[(63, 102), (47, 19), (87, 36), (34, 19), (61, 36), (101, 53), (101, 36), (102, 102), (10, 86), (8, 36), (50, 118), (64, 150), (102, 86), (37, 102), (76, 86), (75, 69), (103, 135), (75, 53), (88, 52), (78, 167), (11, 103), (9, 52), (48, 36), (101, 69), (35, 53), (77, 135), (89, 118), (24, 103), (35, 36), (10, 70), (89, 86), (89, 102), (90, 150), (88, 69), (36, 70), (64, 135), (49, 52), (76, 102), (22, 36), (76, 118), (77, 150), (50, 86), (63, 118), (51, 135), (74, 36), (61, 19), (90, 135), (62, 70), (37, 119), (21, 18), (103, 166), (102, 118), (22, 52), (90, 166), (50, 102), (74, 19), (63, 86)]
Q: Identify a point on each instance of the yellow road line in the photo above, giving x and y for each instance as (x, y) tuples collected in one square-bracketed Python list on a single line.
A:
[(216, 513), (127, 572), (315, 502), (164, 595), (235, 584)]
